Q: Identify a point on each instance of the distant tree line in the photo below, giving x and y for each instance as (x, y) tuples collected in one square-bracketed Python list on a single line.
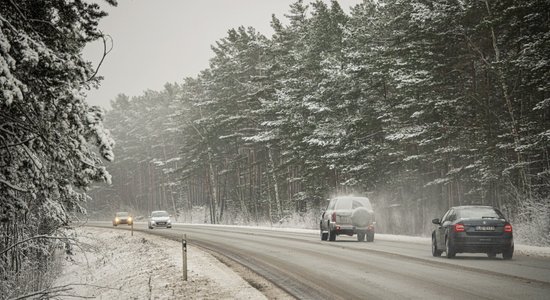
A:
[(52, 144), (420, 105)]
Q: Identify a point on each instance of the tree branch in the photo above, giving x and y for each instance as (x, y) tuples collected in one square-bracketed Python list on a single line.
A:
[(17, 144), (14, 187), (56, 290), (105, 52), (35, 238)]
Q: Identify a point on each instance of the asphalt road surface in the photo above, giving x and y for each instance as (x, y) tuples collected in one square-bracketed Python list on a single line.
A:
[(308, 268)]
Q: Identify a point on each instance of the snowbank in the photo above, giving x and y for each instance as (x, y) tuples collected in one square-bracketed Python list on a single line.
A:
[(111, 264)]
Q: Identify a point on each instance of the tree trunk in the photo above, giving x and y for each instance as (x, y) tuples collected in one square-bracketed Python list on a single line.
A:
[(213, 188), (275, 183), (514, 127)]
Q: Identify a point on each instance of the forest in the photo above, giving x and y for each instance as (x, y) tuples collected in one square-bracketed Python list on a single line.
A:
[(418, 105)]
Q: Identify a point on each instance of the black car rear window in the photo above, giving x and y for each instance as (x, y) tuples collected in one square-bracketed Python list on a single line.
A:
[(479, 213)]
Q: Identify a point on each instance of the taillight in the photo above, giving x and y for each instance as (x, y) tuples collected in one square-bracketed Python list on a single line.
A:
[(459, 228), (334, 217), (507, 228)]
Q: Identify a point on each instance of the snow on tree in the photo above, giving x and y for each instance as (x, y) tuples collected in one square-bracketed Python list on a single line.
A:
[(49, 136)]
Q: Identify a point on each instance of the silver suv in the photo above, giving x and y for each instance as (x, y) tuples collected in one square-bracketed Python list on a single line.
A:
[(348, 215), (159, 218)]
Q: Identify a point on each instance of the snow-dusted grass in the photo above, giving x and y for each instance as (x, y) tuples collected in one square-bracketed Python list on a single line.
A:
[(532, 223), (113, 264)]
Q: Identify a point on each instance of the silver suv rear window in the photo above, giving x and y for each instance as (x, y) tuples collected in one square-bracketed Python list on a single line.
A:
[(353, 203)]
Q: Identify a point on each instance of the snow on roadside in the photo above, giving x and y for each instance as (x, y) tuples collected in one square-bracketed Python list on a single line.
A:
[(111, 264)]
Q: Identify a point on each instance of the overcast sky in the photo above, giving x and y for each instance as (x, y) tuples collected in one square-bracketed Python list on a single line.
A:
[(165, 41)]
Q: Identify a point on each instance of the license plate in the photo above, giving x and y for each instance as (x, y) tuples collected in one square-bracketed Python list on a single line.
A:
[(485, 228)]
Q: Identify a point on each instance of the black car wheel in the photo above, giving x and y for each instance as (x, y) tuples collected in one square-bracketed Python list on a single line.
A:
[(324, 235), (449, 248), (491, 254), (370, 237), (360, 236), (332, 235), (435, 252), (508, 253)]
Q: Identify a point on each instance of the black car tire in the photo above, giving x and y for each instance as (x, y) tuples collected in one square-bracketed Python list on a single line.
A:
[(360, 236), (435, 252), (370, 237), (508, 253), (324, 235), (449, 248), (491, 254), (150, 227), (332, 235)]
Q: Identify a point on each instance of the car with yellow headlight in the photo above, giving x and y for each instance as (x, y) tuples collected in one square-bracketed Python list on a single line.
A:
[(122, 217)]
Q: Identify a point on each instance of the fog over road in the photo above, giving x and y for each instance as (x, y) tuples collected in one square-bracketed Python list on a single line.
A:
[(308, 268)]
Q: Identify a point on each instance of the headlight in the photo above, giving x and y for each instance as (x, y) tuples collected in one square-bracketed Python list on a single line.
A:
[(168, 222), (129, 219), (152, 222), (116, 220)]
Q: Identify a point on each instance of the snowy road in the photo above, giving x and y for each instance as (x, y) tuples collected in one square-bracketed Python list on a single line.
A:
[(308, 268)]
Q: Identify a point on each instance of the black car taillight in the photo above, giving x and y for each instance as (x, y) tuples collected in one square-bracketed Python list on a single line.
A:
[(459, 227), (334, 217), (508, 228)]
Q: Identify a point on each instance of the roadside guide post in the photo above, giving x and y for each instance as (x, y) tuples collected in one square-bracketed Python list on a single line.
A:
[(184, 256), (132, 228)]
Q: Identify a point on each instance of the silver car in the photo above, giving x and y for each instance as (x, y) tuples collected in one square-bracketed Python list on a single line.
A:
[(159, 218), (348, 215)]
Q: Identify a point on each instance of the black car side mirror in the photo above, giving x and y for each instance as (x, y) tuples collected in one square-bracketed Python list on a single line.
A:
[(436, 221)]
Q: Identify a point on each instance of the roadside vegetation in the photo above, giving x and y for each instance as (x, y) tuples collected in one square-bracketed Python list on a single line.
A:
[(52, 144)]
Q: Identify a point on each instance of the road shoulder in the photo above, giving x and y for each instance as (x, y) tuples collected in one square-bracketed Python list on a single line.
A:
[(111, 264)]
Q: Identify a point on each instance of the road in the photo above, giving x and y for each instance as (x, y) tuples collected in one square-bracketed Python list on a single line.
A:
[(308, 268)]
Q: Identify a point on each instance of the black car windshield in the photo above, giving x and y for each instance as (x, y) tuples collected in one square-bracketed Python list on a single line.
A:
[(159, 214), (479, 213), (353, 203), (121, 214)]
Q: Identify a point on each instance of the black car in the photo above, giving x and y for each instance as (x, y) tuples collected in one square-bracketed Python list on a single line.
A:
[(473, 229)]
